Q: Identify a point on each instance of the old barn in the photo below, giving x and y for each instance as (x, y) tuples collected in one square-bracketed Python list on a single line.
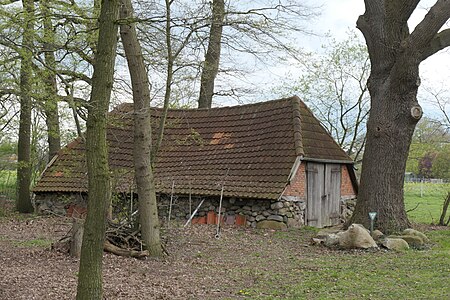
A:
[(273, 162)]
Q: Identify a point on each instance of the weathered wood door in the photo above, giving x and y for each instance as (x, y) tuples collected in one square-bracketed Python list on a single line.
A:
[(323, 194)]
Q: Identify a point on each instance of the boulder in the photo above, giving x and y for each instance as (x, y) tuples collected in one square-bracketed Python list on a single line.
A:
[(413, 241), (356, 236), (331, 240), (414, 232), (377, 235), (270, 224), (395, 244)]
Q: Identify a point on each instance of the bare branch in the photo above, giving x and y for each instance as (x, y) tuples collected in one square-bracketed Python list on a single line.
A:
[(428, 28), (439, 42)]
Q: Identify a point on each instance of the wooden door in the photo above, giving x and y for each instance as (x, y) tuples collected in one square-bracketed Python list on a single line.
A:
[(323, 194)]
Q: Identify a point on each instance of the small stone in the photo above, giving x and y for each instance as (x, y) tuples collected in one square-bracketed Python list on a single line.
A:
[(301, 205), (275, 218), (256, 208), (260, 218), (251, 219), (283, 211), (277, 205), (247, 208), (232, 200), (255, 213), (266, 213), (289, 215)]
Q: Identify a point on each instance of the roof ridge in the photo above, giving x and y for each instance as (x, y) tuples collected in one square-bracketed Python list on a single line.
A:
[(123, 105), (296, 119)]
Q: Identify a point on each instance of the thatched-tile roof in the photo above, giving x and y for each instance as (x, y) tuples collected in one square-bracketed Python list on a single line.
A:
[(251, 148)]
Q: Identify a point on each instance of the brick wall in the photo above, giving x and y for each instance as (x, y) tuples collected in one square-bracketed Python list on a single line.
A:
[(346, 183), (298, 185)]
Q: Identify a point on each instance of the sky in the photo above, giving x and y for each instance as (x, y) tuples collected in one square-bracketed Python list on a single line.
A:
[(337, 17)]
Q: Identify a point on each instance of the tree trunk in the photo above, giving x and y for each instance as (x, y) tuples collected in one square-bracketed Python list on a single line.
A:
[(212, 57), (148, 209), (90, 273), (76, 238), (50, 87), (395, 55), (389, 132), (23, 202)]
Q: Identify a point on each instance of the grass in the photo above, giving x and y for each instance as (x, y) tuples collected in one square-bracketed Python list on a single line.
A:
[(427, 199), (359, 275), (8, 183), (39, 242)]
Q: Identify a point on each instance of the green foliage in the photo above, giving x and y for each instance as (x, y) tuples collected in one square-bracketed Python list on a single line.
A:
[(333, 85), (441, 163), (429, 153), (8, 156), (8, 183), (425, 200)]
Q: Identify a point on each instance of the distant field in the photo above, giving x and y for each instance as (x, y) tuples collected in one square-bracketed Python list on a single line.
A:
[(429, 197)]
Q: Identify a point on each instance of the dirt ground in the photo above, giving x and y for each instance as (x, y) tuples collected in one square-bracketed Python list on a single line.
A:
[(199, 266)]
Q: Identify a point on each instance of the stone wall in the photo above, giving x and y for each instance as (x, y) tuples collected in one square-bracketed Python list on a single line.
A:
[(288, 210), (60, 203)]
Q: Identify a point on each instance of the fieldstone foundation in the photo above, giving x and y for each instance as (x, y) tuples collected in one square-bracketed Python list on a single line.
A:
[(288, 211)]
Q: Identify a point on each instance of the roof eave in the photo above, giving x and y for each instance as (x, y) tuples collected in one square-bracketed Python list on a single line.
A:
[(330, 161)]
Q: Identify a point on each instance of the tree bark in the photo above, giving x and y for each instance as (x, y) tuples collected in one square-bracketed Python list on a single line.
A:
[(395, 56), (76, 238), (148, 209), (50, 87), (212, 57), (90, 273), (23, 202)]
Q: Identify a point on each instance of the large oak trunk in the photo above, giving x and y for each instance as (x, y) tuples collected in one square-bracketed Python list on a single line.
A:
[(395, 55), (389, 132)]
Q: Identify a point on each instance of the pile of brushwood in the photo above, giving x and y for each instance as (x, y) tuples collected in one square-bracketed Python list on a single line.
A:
[(121, 238)]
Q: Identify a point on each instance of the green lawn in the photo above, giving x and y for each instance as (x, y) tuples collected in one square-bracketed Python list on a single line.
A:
[(428, 197), (354, 274)]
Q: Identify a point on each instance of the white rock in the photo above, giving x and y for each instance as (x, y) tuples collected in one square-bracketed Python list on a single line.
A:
[(356, 236)]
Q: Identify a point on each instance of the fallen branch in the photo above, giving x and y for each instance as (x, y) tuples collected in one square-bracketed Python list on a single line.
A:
[(108, 247)]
